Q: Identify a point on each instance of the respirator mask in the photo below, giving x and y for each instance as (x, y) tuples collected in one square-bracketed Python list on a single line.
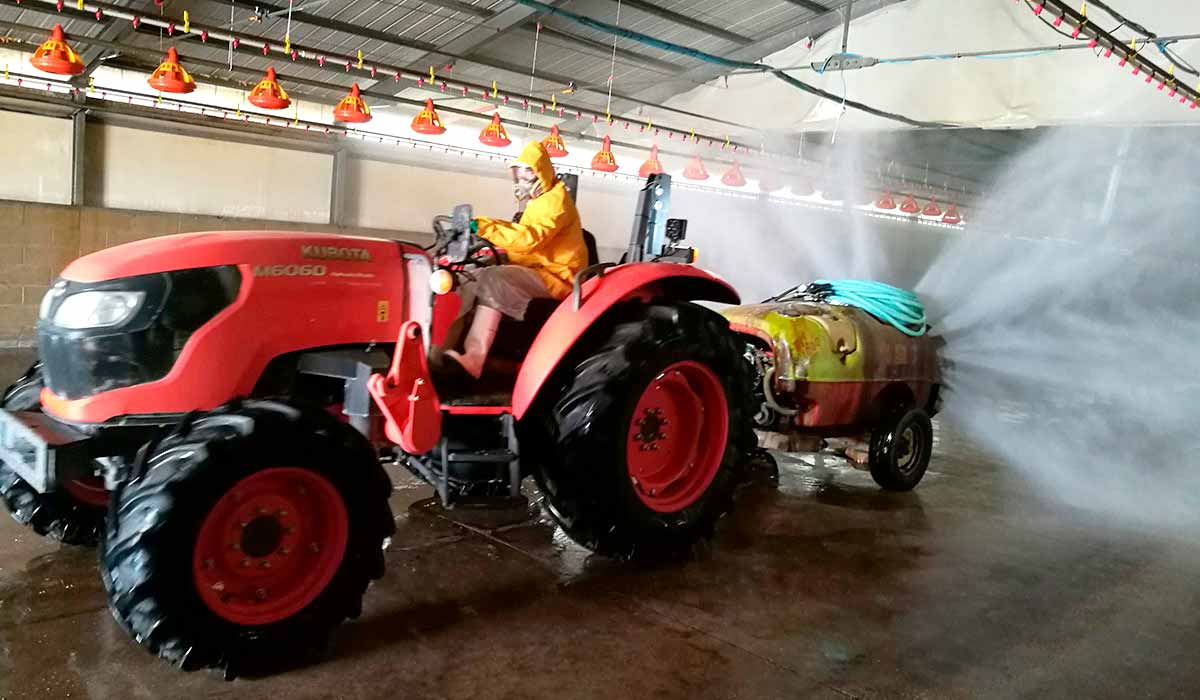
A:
[(526, 185)]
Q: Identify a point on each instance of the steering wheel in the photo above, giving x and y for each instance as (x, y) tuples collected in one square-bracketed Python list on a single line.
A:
[(482, 252), (457, 244)]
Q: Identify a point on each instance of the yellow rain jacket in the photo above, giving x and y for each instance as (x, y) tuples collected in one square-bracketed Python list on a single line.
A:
[(549, 238)]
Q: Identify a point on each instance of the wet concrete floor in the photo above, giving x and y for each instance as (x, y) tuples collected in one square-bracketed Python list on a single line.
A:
[(971, 586)]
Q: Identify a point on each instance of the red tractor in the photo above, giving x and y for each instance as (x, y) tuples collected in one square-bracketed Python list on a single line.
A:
[(214, 409)]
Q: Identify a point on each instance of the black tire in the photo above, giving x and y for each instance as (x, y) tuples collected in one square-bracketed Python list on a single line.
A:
[(900, 449), (580, 445), (57, 515), (146, 556)]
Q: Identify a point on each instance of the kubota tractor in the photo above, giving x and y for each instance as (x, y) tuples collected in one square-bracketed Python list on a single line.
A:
[(214, 409)]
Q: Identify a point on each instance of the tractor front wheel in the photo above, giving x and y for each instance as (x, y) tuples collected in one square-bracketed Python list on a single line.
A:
[(639, 453), (243, 539), (72, 515)]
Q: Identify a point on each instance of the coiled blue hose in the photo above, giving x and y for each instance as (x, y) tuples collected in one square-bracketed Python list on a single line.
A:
[(899, 307)]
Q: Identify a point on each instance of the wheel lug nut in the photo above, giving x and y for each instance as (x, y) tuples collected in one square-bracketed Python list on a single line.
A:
[(261, 511), (208, 563), (245, 562), (261, 594), (265, 565), (235, 546), (244, 523), (662, 436), (315, 547), (283, 513), (285, 551)]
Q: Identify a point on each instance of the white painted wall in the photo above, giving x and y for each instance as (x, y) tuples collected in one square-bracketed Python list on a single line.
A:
[(407, 197), (131, 168), (36, 153)]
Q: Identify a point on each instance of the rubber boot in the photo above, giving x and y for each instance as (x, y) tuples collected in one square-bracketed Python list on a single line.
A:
[(478, 342)]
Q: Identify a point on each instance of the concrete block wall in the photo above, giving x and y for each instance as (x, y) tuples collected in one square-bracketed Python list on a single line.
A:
[(38, 240)]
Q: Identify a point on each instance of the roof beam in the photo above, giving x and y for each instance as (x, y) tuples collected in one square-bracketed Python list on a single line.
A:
[(461, 7), (685, 21), (810, 6), (625, 55), (472, 39), (785, 37)]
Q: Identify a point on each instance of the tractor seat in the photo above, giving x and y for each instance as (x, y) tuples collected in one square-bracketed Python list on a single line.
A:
[(513, 338)]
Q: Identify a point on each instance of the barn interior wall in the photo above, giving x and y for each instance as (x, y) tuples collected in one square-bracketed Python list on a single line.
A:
[(144, 182)]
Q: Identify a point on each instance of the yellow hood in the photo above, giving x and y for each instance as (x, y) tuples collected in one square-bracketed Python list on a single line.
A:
[(534, 155)]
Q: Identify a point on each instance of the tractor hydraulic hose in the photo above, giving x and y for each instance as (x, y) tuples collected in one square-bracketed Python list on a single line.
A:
[(898, 307)]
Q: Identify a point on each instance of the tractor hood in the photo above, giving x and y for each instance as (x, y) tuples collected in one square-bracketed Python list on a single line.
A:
[(211, 249)]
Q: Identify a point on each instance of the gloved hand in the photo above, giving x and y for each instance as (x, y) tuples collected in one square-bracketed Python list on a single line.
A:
[(474, 225)]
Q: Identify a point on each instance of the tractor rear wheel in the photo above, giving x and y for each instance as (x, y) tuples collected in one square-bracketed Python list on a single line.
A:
[(73, 515), (639, 452), (243, 539)]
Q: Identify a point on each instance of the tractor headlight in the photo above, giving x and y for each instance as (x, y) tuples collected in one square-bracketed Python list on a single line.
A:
[(441, 282), (97, 309)]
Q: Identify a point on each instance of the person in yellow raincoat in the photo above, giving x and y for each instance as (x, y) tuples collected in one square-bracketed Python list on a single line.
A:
[(545, 249)]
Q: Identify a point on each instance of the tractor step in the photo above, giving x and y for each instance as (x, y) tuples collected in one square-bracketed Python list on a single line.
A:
[(462, 458)]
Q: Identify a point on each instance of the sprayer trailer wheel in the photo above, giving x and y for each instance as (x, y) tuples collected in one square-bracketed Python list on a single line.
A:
[(900, 449)]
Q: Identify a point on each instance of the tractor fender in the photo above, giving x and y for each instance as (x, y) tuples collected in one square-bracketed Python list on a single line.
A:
[(599, 294)]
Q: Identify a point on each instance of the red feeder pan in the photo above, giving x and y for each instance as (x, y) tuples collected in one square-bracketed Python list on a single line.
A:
[(494, 134), (932, 209), (55, 56), (269, 94), (427, 121), (555, 147), (952, 216), (769, 182), (352, 109), (170, 76), (803, 187), (652, 166), (695, 169), (885, 202), (909, 205), (733, 177), (604, 160)]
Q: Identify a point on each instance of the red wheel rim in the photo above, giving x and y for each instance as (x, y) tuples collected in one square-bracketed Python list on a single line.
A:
[(89, 490), (677, 436), (270, 545)]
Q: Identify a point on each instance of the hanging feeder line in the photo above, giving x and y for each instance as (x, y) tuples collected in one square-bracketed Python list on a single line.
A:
[(380, 96), (37, 83), (320, 57), (1097, 37), (398, 100), (141, 100)]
